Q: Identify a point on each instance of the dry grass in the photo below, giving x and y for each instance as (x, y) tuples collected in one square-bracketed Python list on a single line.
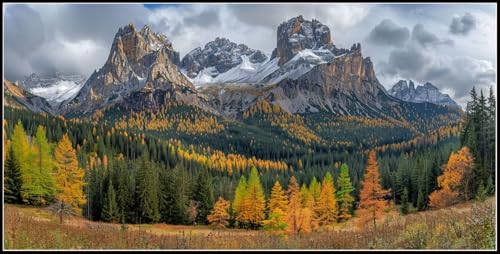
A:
[(467, 226)]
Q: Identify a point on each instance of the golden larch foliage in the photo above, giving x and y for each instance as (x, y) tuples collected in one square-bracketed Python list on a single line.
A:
[(219, 216)]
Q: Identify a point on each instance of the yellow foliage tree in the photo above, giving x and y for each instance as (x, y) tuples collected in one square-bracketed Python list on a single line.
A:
[(326, 208), (69, 177), (278, 199), (219, 216), (455, 181)]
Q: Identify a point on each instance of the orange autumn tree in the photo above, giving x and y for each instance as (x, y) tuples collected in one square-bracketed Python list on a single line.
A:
[(326, 209), (219, 216), (294, 206), (455, 181), (372, 203), (69, 177), (277, 207)]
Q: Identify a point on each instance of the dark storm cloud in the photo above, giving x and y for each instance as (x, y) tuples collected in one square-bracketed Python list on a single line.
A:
[(388, 33), (462, 25), (426, 38), (23, 30), (36, 36)]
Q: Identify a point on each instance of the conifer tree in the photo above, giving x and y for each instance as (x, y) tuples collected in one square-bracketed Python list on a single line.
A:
[(255, 203), (12, 180), (278, 199), (295, 206), (219, 216), (203, 193), (404, 201), (371, 203), (238, 202), (148, 192), (22, 151), (344, 197), (69, 177), (315, 189), (110, 208), (44, 166), (326, 209)]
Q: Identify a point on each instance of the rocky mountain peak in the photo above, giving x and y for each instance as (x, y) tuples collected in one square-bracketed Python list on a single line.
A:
[(425, 93), (219, 56), (298, 34)]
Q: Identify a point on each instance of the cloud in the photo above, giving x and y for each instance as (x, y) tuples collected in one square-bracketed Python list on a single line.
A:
[(23, 30), (389, 33), (462, 25), (426, 38)]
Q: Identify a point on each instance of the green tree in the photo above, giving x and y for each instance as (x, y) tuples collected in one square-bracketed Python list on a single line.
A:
[(147, 181), (12, 180), (255, 203), (239, 197), (44, 166), (203, 193), (110, 209), (344, 198)]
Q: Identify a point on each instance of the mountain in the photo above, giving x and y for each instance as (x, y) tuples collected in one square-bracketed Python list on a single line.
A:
[(425, 93), (16, 97), (55, 89), (314, 76), (140, 72), (217, 57)]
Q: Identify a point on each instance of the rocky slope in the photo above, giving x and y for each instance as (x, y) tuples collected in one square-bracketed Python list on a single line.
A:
[(217, 57), (425, 93), (16, 97), (141, 64)]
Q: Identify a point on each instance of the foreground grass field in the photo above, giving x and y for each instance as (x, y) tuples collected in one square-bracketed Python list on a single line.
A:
[(465, 226)]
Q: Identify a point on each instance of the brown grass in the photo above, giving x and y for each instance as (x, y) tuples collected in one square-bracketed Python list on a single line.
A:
[(466, 226)]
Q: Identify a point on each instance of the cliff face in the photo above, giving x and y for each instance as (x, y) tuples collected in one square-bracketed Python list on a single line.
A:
[(139, 62)]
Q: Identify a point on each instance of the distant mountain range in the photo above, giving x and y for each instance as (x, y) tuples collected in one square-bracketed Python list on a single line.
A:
[(306, 73), (425, 93)]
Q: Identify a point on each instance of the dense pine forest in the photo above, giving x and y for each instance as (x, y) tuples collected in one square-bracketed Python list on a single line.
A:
[(124, 170)]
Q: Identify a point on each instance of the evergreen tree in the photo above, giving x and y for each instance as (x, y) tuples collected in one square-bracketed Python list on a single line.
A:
[(147, 181), (344, 197), (110, 208), (404, 201), (12, 180), (203, 193)]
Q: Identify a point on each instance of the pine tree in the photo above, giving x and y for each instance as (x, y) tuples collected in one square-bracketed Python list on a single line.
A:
[(124, 191), (326, 209), (344, 197), (69, 177), (148, 192), (219, 216), (110, 208), (371, 203), (203, 193), (12, 180), (404, 201), (255, 203)]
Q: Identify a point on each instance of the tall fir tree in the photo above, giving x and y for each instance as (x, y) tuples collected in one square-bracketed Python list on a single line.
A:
[(344, 198), (110, 208), (12, 180), (203, 193), (148, 192)]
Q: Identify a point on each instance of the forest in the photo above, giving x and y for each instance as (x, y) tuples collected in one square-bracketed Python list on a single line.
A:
[(130, 170)]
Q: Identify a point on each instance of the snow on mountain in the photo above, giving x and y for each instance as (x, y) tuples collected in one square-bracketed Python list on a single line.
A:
[(55, 89), (425, 93)]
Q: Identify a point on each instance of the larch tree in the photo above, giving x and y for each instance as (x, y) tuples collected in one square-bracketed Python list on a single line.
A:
[(372, 201), (277, 207), (344, 197), (238, 202), (44, 165), (315, 189), (326, 208), (295, 206), (69, 177), (455, 182), (219, 217), (12, 180), (22, 152), (255, 203)]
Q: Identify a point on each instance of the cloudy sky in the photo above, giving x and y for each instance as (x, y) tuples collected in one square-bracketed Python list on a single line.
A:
[(452, 46)]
